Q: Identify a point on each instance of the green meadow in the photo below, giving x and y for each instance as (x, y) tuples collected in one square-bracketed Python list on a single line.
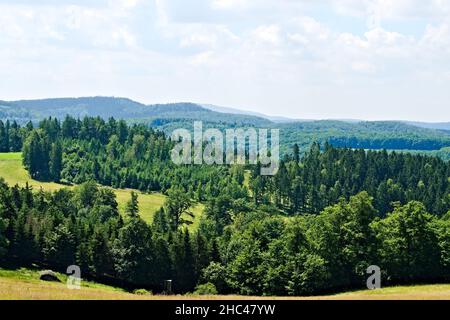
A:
[(12, 170)]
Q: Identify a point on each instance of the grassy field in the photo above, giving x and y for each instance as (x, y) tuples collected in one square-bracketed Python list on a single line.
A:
[(24, 284), (421, 292), (12, 170)]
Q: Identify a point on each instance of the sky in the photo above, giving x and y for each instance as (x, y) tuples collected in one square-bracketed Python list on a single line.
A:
[(306, 59)]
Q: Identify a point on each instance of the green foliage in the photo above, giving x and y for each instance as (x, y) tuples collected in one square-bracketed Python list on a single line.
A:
[(55, 163), (441, 229), (378, 135), (59, 246), (3, 240), (132, 207), (36, 151), (205, 289), (142, 292), (216, 274), (408, 244), (178, 203), (323, 177), (133, 253), (110, 153), (256, 252), (183, 262), (313, 227)]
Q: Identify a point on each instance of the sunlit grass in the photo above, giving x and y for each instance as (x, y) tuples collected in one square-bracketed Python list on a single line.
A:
[(413, 292), (12, 170), (24, 284)]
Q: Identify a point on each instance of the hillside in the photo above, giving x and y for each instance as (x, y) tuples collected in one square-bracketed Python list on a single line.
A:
[(437, 125), (391, 135), (24, 284), (12, 170), (339, 195), (119, 108)]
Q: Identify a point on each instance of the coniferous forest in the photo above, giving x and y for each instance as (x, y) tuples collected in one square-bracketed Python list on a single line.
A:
[(314, 227)]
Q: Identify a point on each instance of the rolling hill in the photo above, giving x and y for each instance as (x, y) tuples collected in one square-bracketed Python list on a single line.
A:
[(391, 135), (119, 108)]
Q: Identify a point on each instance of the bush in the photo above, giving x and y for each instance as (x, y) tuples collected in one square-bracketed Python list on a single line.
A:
[(216, 274), (205, 289), (142, 292)]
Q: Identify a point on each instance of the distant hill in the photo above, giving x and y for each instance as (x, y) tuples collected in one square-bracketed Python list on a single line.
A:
[(280, 119), (105, 107), (119, 108), (251, 113), (391, 135), (431, 125)]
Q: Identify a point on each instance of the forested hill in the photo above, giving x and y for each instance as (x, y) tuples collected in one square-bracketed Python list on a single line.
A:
[(313, 227), (118, 108), (391, 135)]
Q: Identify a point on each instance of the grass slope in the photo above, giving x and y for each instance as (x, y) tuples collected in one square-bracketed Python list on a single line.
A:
[(24, 284), (12, 170)]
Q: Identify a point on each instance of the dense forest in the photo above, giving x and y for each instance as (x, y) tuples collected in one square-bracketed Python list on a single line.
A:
[(321, 177), (379, 135), (313, 227), (238, 248), (111, 153)]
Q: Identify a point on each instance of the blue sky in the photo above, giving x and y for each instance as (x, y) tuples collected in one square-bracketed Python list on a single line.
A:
[(365, 59)]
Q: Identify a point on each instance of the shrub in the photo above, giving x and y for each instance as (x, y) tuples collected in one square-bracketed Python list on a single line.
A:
[(142, 292), (205, 289)]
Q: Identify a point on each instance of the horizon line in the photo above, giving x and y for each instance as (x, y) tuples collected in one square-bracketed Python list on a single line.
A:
[(270, 117)]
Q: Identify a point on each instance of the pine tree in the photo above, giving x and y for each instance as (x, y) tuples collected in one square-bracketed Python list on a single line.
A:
[(15, 138), (296, 152), (132, 208), (184, 263), (3, 240), (3, 138), (56, 161), (160, 222)]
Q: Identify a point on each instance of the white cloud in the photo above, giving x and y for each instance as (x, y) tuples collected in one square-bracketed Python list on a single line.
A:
[(364, 67), (437, 38), (268, 34), (229, 4), (203, 58), (262, 53), (197, 39)]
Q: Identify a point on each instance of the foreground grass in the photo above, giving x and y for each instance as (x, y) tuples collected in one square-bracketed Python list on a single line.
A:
[(419, 292), (12, 170), (24, 284)]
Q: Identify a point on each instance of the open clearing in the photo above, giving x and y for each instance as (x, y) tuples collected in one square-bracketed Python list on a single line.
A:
[(12, 170)]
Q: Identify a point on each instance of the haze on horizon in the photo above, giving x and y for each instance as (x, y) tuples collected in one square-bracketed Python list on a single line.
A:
[(341, 59)]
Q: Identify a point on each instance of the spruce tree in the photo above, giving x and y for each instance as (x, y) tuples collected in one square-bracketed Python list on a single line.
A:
[(132, 208)]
